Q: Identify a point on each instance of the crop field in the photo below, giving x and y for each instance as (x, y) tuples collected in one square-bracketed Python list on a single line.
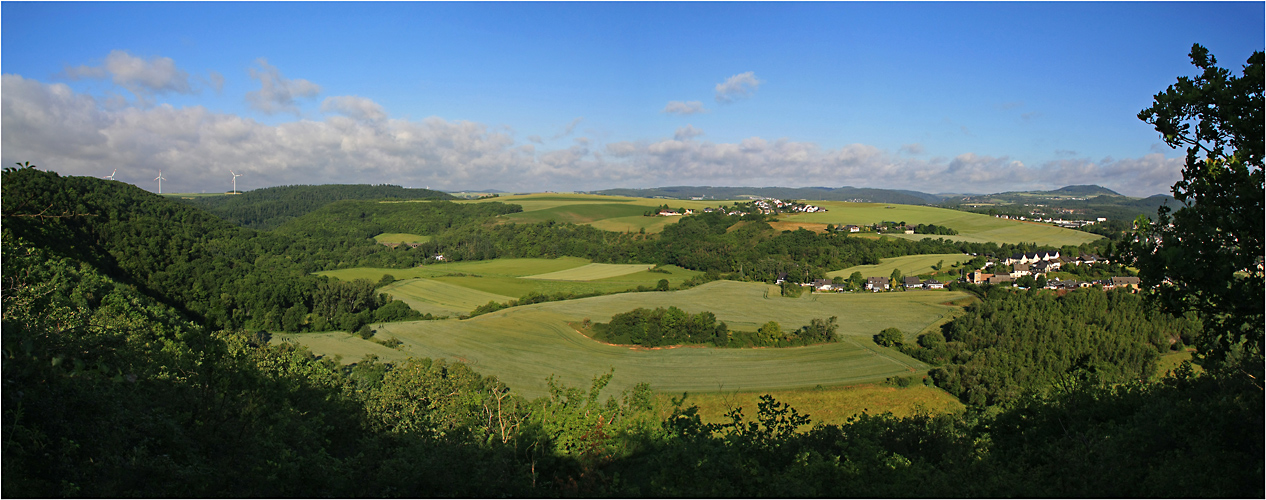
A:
[(829, 405), (910, 265), (524, 345), (401, 238), (591, 272), (440, 298), (427, 288), (971, 227), (621, 214), (609, 213)]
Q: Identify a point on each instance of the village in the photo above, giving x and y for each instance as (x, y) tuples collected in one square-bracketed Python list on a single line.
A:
[(1022, 270)]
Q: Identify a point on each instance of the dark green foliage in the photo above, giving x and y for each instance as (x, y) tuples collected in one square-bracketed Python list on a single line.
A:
[(1014, 342), (672, 326), (933, 229), (1206, 255), (359, 219), (890, 337), (215, 273), (269, 208)]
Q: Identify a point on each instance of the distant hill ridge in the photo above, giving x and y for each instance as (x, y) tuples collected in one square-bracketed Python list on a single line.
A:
[(845, 193), (269, 208)]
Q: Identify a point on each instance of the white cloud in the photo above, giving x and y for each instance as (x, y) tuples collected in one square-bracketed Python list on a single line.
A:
[(912, 149), (740, 86), (687, 132), (74, 134), (143, 78), (684, 108), (277, 93), (356, 107)]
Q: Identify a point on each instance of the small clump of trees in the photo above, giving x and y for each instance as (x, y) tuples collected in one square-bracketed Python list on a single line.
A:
[(673, 326)]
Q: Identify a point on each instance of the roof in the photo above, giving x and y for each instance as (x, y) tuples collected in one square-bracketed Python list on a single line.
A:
[(911, 280)]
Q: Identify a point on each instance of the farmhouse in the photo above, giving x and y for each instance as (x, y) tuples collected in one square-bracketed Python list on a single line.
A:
[(911, 282), (876, 283), (933, 284), (1125, 281), (852, 229)]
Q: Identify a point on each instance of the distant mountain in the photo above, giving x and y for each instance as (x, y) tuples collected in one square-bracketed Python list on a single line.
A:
[(846, 193), (1084, 190), (269, 208), (1084, 201)]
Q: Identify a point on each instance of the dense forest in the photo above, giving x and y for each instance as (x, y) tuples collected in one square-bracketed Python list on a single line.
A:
[(1015, 342), (269, 208)]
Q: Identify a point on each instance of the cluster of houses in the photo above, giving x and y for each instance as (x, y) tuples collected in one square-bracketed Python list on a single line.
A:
[(769, 206), (1071, 224), (1022, 264)]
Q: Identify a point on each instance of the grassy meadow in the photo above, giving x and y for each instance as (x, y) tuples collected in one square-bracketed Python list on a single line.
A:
[(451, 289), (525, 345), (971, 227), (910, 265)]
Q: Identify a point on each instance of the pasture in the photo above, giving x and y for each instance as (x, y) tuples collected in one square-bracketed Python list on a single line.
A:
[(591, 272), (609, 213), (524, 345), (971, 227), (451, 289), (910, 265)]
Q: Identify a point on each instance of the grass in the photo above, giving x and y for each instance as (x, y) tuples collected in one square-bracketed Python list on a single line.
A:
[(440, 298), (592, 272), (1171, 360), (970, 226), (524, 345), (910, 265), (508, 278), (830, 405), (401, 238), (609, 213)]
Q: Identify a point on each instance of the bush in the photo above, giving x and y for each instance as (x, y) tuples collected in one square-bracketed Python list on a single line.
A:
[(890, 337)]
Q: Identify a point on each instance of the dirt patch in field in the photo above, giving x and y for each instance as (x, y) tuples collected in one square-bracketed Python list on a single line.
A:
[(792, 226)]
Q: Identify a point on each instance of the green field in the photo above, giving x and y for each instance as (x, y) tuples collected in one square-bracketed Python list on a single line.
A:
[(971, 227), (910, 265), (609, 213), (440, 298), (592, 272), (504, 279), (401, 238), (525, 345)]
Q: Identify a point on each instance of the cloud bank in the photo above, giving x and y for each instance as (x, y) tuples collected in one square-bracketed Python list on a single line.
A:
[(56, 128)]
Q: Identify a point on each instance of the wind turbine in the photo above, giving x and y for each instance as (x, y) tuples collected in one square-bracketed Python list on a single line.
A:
[(111, 176), (160, 181), (235, 176)]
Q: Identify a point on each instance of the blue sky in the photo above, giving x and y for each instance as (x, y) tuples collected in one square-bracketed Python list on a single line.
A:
[(936, 97)]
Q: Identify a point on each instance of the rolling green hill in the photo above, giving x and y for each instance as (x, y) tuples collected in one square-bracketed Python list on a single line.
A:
[(269, 208), (524, 345)]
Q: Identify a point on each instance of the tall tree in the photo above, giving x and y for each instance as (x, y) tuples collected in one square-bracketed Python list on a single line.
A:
[(1206, 256)]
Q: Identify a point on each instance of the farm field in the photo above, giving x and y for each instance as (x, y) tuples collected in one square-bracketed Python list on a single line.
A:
[(452, 289), (829, 405), (910, 265), (609, 213), (591, 272), (971, 227), (524, 345), (615, 213)]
